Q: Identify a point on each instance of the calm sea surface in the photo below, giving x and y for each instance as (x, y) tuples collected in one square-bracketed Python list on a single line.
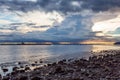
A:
[(11, 53)]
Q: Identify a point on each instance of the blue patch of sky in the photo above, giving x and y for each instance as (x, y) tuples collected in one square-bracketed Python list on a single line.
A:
[(117, 31), (9, 17)]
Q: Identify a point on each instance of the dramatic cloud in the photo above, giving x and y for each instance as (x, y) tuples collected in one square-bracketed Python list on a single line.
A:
[(61, 5), (23, 28), (59, 19), (42, 18), (4, 22), (101, 5), (107, 25), (115, 33), (72, 27)]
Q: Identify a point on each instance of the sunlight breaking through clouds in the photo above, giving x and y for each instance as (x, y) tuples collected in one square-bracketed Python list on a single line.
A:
[(107, 25), (42, 18), (37, 18), (59, 20)]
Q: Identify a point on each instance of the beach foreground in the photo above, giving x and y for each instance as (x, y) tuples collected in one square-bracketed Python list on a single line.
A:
[(101, 67)]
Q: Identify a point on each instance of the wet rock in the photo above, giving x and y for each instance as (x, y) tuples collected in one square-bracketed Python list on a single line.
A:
[(36, 62), (21, 66), (21, 71), (33, 64), (59, 70), (15, 68), (27, 68), (36, 78), (82, 59), (5, 70), (8, 74), (49, 64), (54, 64), (41, 61), (6, 78), (13, 73), (64, 60), (69, 60), (19, 63), (77, 79), (0, 76), (61, 62), (23, 78)]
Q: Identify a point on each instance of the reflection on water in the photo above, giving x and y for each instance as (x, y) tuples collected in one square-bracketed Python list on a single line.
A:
[(96, 48), (11, 53)]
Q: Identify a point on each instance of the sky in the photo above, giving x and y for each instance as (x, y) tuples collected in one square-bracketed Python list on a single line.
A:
[(59, 20)]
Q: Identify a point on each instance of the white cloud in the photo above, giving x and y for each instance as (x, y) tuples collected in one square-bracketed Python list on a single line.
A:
[(8, 17), (107, 25), (42, 18), (26, 29), (23, 28), (38, 18), (6, 31), (2, 22), (76, 3)]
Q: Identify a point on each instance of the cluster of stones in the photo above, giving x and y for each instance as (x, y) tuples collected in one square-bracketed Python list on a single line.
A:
[(102, 67)]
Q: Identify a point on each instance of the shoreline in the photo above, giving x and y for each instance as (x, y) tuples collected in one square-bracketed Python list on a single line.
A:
[(59, 43), (101, 67)]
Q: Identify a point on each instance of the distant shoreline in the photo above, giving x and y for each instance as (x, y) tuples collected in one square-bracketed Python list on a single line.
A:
[(57, 43)]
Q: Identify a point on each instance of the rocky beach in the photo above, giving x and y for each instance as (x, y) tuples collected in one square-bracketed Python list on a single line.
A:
[(100, 67)]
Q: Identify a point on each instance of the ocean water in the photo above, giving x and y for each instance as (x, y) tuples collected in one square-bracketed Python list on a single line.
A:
[(13, 53), (10, 55)]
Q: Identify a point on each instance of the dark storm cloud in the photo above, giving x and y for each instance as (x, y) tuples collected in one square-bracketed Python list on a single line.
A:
[(16, 5), (60, 5), (100, 5)]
